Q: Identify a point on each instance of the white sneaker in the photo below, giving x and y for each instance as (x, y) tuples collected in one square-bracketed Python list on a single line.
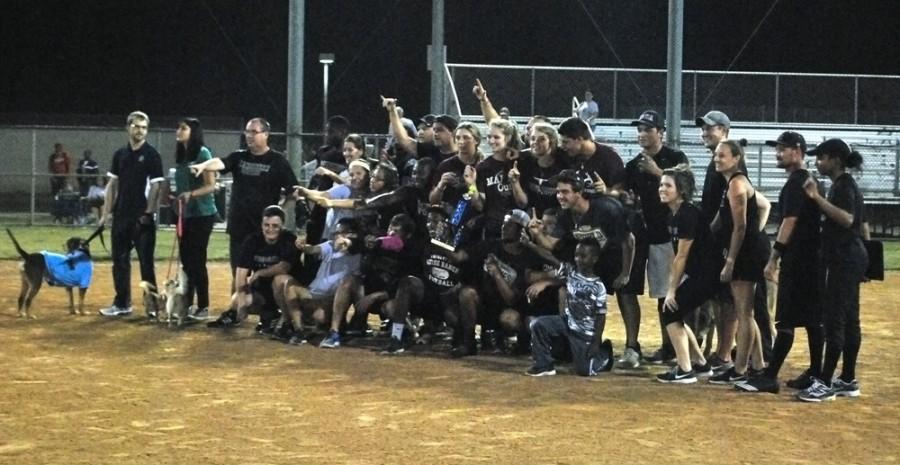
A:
[(199, 314), (630, 360), (113, 310)]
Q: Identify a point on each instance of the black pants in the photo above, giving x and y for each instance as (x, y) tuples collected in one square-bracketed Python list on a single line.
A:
[(192, 250), (843, 336), (127, 234)]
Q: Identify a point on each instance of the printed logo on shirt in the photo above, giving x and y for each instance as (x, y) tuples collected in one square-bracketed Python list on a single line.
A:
[(249, 168), (586, 232)]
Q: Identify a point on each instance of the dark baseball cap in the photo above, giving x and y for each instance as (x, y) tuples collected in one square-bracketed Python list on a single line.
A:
[(833, 147), (439, 209), (448, 121), (714, 118), (427, 120), (650, 118), (789, 139)]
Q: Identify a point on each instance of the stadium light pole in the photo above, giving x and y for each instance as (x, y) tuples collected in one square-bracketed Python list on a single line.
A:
[(327, 59)]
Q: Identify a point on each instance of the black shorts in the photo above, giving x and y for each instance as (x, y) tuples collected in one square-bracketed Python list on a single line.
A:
[(751, 261), (269, 308), (378, 282), (546, 303), (435, 301), (635, 284), (799, 302), (691, 293)]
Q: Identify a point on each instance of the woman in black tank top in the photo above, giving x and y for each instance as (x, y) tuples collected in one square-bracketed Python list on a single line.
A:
[(738, 225)]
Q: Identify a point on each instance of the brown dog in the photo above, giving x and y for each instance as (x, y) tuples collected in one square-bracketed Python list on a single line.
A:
[(74, 269)]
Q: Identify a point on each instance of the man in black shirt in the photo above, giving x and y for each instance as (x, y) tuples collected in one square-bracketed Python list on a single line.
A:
[(443, 127), (649, 223), (87, 171), (599, 167), (263, 255), (260, 174), (797, 248), (133, 167)]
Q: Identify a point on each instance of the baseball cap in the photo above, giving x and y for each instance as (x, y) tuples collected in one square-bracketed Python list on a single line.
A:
[(789, 139), (427, 120), (439, 209), (448, 121), (714, 118), (518, 216), (833, 147), (650, 118)]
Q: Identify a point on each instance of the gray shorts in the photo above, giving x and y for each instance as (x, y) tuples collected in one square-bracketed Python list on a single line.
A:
[(659, 266)]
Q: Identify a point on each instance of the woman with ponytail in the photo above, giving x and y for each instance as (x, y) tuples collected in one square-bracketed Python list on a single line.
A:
[(845, 260)]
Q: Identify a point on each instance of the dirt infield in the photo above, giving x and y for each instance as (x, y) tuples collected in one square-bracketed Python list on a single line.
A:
[(84, 390)]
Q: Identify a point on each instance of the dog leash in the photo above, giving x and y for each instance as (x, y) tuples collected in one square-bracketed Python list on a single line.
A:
[(179, 230)]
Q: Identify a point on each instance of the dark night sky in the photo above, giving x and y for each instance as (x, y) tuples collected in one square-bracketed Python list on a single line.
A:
[(229, 58)]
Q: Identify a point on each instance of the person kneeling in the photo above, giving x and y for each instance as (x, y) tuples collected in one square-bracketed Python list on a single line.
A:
[(581, 320)]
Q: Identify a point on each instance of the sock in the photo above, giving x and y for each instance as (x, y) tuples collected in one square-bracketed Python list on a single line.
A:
[(783, 342), (397, 331), (816, 336)]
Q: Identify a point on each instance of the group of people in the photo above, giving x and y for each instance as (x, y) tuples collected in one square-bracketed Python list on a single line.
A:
[(68, 204), (526, 243)]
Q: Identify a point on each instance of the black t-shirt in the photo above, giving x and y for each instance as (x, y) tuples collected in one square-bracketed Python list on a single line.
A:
[(845, 195), (535, 179), (452, 165), (605, 162), (432, 151), (714, 186), (646, 187), (88, 167), (258, 181), (793, 202), (606, 222), (493, 182), (514, 268), (257, 254), (688, 223), (439, 271), (134, 169)]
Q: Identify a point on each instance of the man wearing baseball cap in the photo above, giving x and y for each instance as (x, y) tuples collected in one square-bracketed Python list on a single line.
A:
[(444, 145), (649, 223), (796, 247)]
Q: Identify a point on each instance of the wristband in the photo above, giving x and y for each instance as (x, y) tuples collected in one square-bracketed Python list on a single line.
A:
[(473, 189), (780, 247)]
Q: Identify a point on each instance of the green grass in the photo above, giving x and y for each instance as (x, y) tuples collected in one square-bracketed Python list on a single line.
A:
[(37, 238), (53, 238)]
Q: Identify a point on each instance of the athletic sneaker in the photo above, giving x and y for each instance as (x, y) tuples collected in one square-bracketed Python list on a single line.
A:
[(228, 319), (394, 347), (630, 360), (702, 370), (464, 349), (539, 371), (199, 314), (677, 376), (331, 341), (843, 388), (718, 365), (816, 392), (265, 328), (113, 310), (728, 377), (759, 384), (297, 338), (801, 382), (660, 357)]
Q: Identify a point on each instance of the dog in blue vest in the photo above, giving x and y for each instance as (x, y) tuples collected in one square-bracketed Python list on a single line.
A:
[(73, 269)]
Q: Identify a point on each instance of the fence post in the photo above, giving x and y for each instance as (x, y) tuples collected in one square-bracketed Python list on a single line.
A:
[(532, 91), (759, 155), (615, 98), (897, 167), (33, 175), (856, 100), (777, 90)]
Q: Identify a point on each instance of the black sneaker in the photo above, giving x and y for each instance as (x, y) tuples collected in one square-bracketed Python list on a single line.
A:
[(717, 364), (537, 371), (677, 376), (728, 377), (265, 328), (759, 384), (394, 347), (297, 338), (662, 356), (843, 388), (702, 370), (465, 349), (283, 333), (804, 381), (227, 319)]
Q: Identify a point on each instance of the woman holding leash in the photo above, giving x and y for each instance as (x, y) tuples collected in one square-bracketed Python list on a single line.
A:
[(196, 209)]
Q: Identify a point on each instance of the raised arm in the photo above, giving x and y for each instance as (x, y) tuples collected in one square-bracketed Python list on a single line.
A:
[(487, 109), (832, 211), (400, 136)]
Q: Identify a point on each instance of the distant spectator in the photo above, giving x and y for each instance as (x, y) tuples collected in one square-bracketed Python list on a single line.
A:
[(59, 165), (66, 205), (588, 109), (87, 170), (93, 201)]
